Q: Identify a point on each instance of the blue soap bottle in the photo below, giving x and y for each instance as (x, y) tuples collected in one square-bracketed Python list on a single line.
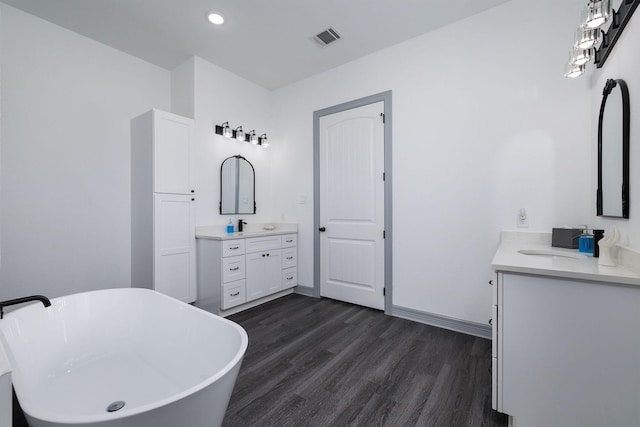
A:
[(585, 243), (230, 227)]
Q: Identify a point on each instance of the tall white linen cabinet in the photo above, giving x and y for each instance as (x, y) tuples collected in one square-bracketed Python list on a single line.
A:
[(163, 245)]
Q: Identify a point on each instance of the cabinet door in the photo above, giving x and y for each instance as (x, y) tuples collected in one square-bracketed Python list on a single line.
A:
[(174, 246), (273, 271), (172, 153), (264, 273), (254, 271)]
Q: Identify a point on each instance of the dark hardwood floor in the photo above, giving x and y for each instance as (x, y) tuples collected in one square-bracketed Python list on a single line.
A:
[(320, 362)]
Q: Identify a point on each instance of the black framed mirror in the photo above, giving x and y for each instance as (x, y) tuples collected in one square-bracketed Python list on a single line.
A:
[(237, 186), (612, 198)]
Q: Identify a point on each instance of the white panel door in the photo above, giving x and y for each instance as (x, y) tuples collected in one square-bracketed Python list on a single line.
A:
[(173, 139), (174, 246), (352, 206)]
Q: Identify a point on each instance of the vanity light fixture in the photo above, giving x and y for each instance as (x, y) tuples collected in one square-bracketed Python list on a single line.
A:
[(263, 140), (239, 134), (595, 16), (253, 138)]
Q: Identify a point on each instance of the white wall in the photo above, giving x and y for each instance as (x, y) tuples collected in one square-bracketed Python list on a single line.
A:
[(66, 106), (623, 63), (484, 123), (221, 96)]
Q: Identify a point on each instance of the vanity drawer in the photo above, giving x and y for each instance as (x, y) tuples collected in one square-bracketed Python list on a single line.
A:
[(289, 277), (259, 244), (232, 247), (233, 268), (289, 240), (289, 257), (234, 293)]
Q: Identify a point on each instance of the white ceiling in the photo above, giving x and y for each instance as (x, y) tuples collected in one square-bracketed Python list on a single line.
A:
[(269, 42)]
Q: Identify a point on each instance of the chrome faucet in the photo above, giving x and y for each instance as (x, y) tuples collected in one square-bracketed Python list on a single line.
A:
[(44, 300)]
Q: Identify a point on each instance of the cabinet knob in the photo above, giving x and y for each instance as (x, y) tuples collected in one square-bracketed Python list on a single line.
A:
[(322, 229), (491, 322), (193, 191), (193, 199), (491, 282), (263, 255), (267, 254)]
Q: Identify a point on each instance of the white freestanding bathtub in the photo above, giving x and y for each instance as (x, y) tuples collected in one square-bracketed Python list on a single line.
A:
[(171, 364)]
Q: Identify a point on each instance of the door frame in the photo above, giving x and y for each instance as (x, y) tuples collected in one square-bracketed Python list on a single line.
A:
[(385, 97)]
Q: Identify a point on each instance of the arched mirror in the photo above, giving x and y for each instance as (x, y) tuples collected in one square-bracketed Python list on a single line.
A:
[(237, 186), (613, 151)]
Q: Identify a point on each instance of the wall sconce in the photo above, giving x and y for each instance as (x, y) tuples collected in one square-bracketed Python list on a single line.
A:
[(594, 16), (263, 140), (239, 135), (224, 130), (596, 13), (253, 138)]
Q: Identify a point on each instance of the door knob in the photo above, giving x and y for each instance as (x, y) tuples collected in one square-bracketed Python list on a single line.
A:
[(322, 229)]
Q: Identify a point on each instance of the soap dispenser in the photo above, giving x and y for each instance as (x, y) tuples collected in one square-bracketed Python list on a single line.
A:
[(230, 227), (585, 242)]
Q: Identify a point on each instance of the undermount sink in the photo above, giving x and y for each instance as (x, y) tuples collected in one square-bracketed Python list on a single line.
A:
[(550, 253)]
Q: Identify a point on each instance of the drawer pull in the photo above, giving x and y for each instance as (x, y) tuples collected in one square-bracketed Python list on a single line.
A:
[(235, 294), (289, 257), (289, 241), (233, 248), (234, 269), (290, 278)]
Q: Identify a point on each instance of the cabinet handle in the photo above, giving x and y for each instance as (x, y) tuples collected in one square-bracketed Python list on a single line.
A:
[(234, 269), (193, 191), (491, 322), (289, 257), (233, 248), (290, 278), (193, 199), (491, 282), (288, 241), (235, 294)]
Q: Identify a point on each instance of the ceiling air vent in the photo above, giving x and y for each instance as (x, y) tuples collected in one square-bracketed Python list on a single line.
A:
[(327, 36)]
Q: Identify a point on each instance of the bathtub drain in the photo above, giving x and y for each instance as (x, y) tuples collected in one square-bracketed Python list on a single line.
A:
[(115, 406)]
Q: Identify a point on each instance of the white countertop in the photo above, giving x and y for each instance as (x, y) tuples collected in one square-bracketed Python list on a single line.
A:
[(507, 258), (219, 232)]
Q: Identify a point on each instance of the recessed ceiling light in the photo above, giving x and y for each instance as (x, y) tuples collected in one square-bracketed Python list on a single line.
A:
[(215, 18)]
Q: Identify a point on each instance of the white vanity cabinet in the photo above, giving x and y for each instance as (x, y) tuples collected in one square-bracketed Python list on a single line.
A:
[(244, 270), (566, 351), (163, 242)]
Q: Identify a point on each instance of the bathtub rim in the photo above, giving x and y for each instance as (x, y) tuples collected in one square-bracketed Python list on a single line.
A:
[(48, 416)]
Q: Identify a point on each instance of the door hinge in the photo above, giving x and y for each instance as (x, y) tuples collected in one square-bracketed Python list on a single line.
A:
[(382, 115)]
